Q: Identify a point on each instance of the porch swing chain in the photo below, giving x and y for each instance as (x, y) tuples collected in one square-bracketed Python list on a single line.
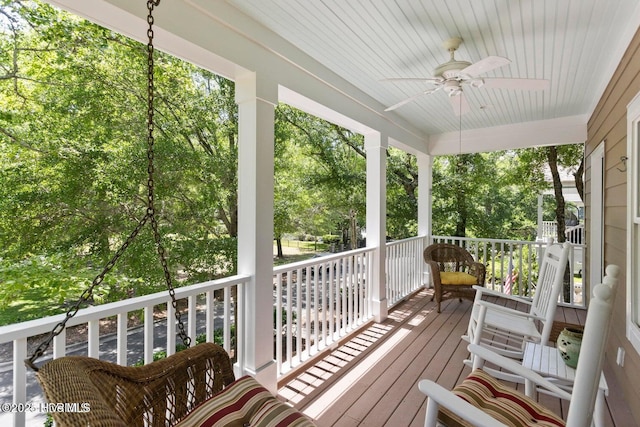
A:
[(150, 169), (149, 215)]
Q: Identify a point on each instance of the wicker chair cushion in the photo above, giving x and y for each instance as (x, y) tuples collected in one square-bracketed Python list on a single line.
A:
[(457, 278), (244, 402), (503, 403)]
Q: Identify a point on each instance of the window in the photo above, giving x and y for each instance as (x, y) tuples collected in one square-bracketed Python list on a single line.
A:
[(633, 223)]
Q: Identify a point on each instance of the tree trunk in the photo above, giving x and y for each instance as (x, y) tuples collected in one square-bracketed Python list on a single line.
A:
[(552, 157), (579, 179), (279, 254), (353, 229), (461, 203)]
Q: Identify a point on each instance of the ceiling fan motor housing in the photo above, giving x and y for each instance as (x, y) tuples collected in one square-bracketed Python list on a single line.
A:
[(450, 69)]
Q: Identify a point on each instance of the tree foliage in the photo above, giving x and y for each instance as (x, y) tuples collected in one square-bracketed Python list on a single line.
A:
[(73, 150), (475, 195), (329, 171)]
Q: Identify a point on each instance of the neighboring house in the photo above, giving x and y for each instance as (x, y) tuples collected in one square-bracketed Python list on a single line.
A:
[(574, 208)]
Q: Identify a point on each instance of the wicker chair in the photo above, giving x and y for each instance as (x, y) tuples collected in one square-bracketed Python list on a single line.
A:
[(453, 271), (128, 396), (193, 387)]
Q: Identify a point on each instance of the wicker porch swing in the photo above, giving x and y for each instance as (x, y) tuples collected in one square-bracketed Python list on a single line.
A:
[(193, 387)]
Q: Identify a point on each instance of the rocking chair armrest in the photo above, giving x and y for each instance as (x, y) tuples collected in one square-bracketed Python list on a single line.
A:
[(516, 368), (491, 292), (508, 310), (440, 396)]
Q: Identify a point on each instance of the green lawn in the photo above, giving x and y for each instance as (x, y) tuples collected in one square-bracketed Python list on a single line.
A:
[(45, 287)]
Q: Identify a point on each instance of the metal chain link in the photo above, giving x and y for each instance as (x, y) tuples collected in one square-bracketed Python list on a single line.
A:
[(150, 170), (150, 215)]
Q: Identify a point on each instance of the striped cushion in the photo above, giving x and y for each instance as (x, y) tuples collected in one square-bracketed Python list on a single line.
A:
[(503, 403), (244, 403), (277, 414)]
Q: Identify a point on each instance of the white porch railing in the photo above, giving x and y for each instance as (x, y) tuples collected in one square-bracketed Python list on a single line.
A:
[(318, 302), (573, 234), (405, 268), (549, 229), (321, 300), (512, 265), (220, 312)]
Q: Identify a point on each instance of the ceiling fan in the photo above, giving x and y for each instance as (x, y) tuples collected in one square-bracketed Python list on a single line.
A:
[(453, 75)]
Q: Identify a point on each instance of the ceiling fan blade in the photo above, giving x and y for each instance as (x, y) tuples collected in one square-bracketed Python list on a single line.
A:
[(485, 65), (459, 104), (412, 98), (522, 84)]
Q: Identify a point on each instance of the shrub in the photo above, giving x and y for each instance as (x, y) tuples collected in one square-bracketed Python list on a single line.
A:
[(330, 238)]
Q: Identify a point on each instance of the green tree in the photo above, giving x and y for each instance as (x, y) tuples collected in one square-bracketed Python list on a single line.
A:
[(73, 149), (402, 197), (478, 195), (533, 163), (333, 172)]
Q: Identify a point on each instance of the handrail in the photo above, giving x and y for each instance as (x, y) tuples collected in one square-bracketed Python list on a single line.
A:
[(318, 302), (19, 333), (40, 326), (504, 258), (404, 268)]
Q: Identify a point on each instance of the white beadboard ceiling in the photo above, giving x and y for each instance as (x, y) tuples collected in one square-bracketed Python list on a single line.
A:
[(575, 44)]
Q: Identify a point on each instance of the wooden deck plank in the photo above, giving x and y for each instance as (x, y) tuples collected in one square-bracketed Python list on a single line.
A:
[(372, 379), (385, 364), (451, 354), (410, 366)]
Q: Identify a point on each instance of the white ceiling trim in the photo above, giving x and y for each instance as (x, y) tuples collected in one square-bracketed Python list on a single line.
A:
[(565, 130)]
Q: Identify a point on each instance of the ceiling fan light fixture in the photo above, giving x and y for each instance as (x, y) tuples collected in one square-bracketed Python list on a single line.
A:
[(452, 87)]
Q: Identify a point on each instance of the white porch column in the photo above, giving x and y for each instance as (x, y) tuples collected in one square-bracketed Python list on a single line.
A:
[(425, 178), (425, 182), (256, 100), (376, 148)]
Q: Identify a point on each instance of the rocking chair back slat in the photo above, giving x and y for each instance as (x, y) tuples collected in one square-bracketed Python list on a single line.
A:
[(549, 287)]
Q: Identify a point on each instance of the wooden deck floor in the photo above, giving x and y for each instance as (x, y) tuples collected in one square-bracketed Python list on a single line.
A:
[(371, 380)]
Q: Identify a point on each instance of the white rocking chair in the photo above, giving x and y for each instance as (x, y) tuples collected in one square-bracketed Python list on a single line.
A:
[(475, 401), (505, 330)]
